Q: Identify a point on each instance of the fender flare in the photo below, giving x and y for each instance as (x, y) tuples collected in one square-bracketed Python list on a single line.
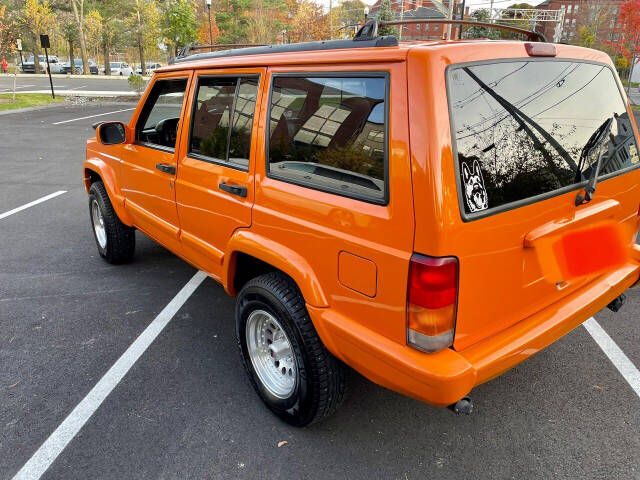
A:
[(276, 255), (108, 176)]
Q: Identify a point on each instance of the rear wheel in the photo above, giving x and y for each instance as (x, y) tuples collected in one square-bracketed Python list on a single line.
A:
[(116, 241), (292, 371)]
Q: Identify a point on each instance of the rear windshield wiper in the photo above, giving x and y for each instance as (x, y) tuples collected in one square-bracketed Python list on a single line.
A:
[(522, 119), (596, 141)]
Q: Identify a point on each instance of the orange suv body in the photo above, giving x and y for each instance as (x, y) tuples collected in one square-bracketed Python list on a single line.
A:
[(358, 172)]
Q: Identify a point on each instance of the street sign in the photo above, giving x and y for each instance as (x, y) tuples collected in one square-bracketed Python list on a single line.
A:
[(19, 44), (44, 41)]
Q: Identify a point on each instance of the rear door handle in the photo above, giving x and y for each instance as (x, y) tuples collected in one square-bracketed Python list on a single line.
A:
[(163, 167), (234, 189)]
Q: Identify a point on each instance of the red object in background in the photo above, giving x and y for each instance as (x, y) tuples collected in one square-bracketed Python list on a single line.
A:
[(592, 250), (5, 65)]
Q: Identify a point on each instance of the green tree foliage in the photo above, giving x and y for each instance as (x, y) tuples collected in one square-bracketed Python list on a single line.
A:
[(38, 18), (385, 13), (8, 32), (481, 15), (178, 24)]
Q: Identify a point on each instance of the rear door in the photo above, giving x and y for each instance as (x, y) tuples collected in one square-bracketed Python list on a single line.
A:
[(521, 130), (214, 190)]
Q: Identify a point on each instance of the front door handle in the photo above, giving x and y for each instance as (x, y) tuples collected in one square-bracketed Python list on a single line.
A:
[(163, 167), (234, 189)]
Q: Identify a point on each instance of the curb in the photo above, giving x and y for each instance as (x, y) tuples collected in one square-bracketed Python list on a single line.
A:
[(60, 76)]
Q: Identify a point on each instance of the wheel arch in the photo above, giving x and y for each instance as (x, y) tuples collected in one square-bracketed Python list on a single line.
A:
[(95, 169), (250, 255)]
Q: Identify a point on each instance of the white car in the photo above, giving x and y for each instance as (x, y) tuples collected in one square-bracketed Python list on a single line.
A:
[(120, 68), (151, 67)]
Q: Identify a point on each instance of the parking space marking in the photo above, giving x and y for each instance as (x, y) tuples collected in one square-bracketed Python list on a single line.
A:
[(92, 116), (627, 369), (69, 428), (31, 204)]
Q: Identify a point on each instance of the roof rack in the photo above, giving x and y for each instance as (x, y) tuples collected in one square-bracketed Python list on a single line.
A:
[(370, 29), (185, 51), (183, 56)]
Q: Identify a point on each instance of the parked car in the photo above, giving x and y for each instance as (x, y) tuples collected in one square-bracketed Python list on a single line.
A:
[(93, 67), (28, 66), (150, 68), (120, 68), (379, 204)]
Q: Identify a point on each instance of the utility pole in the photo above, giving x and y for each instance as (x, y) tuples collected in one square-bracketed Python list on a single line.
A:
[(491, 12), (210, 28), (450, 17), (633, 62), (401, 18)]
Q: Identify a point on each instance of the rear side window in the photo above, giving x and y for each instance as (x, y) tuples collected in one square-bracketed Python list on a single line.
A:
[(160, 116), (223, 119), (329, 133), (522, 129)]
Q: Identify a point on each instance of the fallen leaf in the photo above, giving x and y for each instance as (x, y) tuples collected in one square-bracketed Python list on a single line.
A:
[(598, 387), (11, 386), (282, 443)]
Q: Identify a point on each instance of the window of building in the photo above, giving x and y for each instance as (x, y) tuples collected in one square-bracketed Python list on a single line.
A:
[(329, 133)]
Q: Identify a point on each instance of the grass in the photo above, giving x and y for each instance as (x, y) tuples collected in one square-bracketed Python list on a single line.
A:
[(24, 100), (635, 107)]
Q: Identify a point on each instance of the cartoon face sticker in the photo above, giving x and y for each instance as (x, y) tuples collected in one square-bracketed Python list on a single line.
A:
[(474, 192)]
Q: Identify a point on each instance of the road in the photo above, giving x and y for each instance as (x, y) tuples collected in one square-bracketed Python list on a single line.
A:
[(63, 82), (186, 409)]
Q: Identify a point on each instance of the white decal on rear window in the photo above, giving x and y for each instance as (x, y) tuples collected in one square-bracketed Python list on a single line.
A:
[(474, 190)]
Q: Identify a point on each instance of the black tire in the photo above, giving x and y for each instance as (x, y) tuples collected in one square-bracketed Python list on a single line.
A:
[(321, 380), (120, 238)]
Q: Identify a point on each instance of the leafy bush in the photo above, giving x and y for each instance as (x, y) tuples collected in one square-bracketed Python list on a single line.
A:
[(136, 82)]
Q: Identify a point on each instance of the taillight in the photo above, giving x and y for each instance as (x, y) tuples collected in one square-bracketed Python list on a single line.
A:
[(432, 296)]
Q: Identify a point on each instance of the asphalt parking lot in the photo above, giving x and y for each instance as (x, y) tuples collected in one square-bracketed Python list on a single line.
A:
[(63, 83), (186, 408)]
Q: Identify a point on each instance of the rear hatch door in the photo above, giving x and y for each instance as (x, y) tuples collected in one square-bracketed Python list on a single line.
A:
[(521, 131)]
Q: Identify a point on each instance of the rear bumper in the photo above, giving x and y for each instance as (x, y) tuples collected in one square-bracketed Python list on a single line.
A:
[(445, 377)]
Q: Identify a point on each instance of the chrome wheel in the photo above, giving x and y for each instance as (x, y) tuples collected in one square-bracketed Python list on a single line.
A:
[(271, 354), (98, 224)]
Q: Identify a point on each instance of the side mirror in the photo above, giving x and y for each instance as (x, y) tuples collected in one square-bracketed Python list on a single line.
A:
[(111, 133)]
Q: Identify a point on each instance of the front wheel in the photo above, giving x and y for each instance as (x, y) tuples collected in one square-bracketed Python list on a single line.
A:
[(116, 241), (291, 370)]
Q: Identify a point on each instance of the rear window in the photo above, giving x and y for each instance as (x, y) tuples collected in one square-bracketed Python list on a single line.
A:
[(521, 130)]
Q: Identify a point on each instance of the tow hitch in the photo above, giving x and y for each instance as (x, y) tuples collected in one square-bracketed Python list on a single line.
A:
[(617, 303)]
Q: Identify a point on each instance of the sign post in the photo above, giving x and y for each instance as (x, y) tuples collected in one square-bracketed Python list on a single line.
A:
[(44, 43)]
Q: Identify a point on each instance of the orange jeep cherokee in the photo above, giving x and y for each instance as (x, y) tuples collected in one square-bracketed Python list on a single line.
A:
[(378, 203)]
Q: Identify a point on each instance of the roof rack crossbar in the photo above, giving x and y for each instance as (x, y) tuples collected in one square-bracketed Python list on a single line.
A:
[(370, 27), (185, 51)]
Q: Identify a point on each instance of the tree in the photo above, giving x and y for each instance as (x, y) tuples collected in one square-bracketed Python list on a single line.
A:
[(349, 12), (309, 23), (232, 18), (38, 19), (481, 15), (593, 15), (8, 33), (70, 34), (78, 13), (627, 31), (385, 13), (513, 19), (94, 24), (179, 26), (145, 22)]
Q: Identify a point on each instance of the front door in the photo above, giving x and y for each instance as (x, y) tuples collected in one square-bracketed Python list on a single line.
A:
[(149, 163), (214, 188)]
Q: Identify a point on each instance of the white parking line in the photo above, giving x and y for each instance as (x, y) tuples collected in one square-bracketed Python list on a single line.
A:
[(69, 428), (91, 116), (31, 204), (17, 87), (627, 369)]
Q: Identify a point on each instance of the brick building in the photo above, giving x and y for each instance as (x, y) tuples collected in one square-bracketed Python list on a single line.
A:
[(602, 15), (418, 9)]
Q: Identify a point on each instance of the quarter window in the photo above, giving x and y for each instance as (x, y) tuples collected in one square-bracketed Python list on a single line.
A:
[(223, 119), (329, 133), (160, 117)]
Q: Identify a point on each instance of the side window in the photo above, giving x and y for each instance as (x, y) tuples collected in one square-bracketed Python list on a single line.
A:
[(223, 119), (160, 117), (329, 133)]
